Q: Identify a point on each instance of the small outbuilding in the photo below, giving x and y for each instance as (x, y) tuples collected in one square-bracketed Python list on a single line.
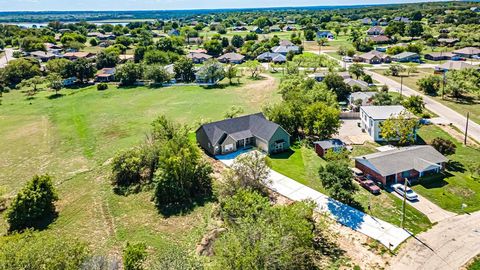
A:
[(321, 147)]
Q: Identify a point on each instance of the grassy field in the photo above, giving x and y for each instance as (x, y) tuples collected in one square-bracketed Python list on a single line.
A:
[(302, 164), (455, 187), (475, 265), (73, 137), (462, 106)]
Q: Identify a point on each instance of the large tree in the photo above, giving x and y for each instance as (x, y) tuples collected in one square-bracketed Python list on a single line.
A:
[(33, 205), (20, 69), (337, 178), (400, 129), (184, 70), (84, 69), (129, 73), (321, 120)]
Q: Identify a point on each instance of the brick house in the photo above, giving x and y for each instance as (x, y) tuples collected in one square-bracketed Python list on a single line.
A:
[(393, 166), (321, 147)]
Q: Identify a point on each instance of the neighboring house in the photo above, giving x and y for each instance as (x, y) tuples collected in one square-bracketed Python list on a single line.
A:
[(289, 28), (285, 42), (105, 75), (77, 55), (448, 41), (475, 9), (374, 57), (233, 58), (286, 49), (365, 97), (321, 147), (379, 39), (275, 28), (194, 40), (406, 57), (272, 57), (372, 118), (198, 58), (43, 56), (467, 52), (393, 166), (401, 19), (454, 65), (375, 31), (319, 76), (230, 135), (126, 57), (439, 56), (366, 21), (325, 34), (101, 36), (239, 28), (257, 30), (174, 32), (356, 84)]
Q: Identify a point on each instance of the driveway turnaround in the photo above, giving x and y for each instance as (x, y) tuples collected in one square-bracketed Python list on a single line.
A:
[(448, 245), (431, 210), (387, 234)]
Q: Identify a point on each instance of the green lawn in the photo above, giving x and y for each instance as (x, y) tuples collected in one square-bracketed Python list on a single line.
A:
[(462, 106), (73, 137), (475, 265), (302, 164), (455, 187)]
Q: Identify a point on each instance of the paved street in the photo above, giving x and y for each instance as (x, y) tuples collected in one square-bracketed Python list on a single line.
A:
[(448, 245), (387, 234), (441, 110)]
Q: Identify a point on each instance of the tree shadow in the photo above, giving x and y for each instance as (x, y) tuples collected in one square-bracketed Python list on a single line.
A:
[(284, 155), (455, 166), (183, 208), (39, 224), (434, 181), (345, 214), (55, 96)]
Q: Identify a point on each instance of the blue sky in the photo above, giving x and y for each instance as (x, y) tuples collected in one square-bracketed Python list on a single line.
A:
[(41, 5)]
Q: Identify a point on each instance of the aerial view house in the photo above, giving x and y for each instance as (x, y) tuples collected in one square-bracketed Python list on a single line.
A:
[(257, 30), (373, 57), (254, 130), (467, 52), (372, 117), (284, 49), (439, 56), (325, 34), (448, 41), (375, 31), (43, 56), (319, 76), (272, 57), (392, 166), (233, 58), (198, 57), (380, 39), (77, 55), (365, 97), (361, 85), (406, 57), (321, 147), (454, 65), (105, 75)]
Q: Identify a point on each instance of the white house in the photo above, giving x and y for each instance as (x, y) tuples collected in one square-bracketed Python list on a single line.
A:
[(373, 116)]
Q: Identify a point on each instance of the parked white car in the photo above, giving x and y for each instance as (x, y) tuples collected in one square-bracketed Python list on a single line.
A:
[(410, 194)]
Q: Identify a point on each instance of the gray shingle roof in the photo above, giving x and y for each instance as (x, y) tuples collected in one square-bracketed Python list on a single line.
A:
[(241, 127), (403, 159), (383, 112), (328, 144)]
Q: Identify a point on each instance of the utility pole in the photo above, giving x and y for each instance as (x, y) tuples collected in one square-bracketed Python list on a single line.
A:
[(444, 82), (466, 129)]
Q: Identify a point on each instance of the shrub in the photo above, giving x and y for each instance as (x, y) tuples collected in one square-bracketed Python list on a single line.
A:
[(33, 204), (444, 146), (102, 86), (134, 256)]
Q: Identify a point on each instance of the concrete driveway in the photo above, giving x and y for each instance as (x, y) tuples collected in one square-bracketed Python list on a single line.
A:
[(351, 133), (431, 210), (388, 234)]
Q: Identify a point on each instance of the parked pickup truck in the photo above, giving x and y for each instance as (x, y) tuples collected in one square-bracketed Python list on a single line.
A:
[(368, 185)]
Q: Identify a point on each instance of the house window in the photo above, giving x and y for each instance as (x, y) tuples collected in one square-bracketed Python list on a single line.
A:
[(405, 174)]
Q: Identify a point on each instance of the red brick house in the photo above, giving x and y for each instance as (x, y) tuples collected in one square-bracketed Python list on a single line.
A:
[(395, 165)]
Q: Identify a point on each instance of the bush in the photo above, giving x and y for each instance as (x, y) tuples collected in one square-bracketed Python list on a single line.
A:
[(32, 250), (33, 205), (134, 256), (444, 146), (102, 86)]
